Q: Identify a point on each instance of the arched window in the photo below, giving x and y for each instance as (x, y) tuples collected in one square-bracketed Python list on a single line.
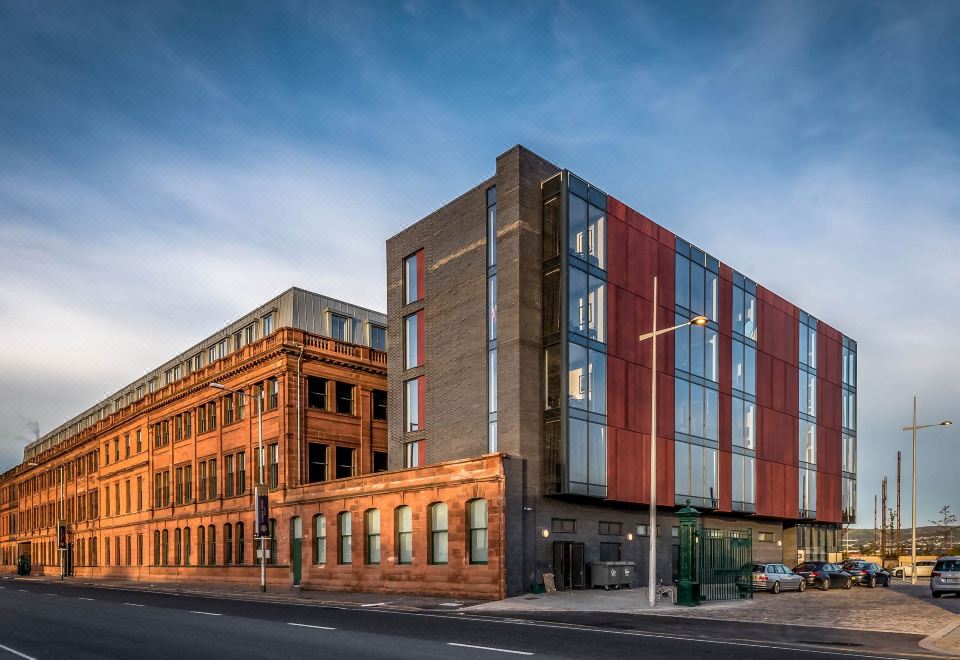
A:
[(272, 559), (319, 539), (344, 529), (165, 550), (371, 521), (240, 546), (228, 544), (201, 545), (211, 545), (106, 551), (156, 547), (186, 546), (437, 541), (177, 546), (477, 534), (404, 525)]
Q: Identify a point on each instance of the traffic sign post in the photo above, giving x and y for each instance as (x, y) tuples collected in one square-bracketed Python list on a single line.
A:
[(262, 531)]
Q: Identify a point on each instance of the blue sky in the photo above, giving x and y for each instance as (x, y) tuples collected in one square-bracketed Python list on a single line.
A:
[(164, 167)]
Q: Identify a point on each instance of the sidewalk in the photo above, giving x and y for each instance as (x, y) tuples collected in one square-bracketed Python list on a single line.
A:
[(275, 593), (946, 640)]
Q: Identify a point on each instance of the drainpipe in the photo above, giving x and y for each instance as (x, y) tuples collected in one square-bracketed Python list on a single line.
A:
[(299, 431)]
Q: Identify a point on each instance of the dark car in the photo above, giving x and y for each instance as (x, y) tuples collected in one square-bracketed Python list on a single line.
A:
[(867, 573), (824, 575)]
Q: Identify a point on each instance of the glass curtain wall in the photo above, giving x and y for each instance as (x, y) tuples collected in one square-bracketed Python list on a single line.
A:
[(807, 477), (744, 394), (849, 432), (696, 378), (574, 337)]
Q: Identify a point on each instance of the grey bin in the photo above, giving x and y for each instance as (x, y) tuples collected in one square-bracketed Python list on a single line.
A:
[(625, 571), (605, 574)]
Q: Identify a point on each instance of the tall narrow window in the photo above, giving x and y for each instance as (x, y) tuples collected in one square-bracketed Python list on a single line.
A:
[(345, 531), (345, 396), (412, 339), (186, 546), (240, 544), (201, 546), (492, 319), (404, 525), (228, 544), (319, 539), (177, 547), (317, 393), (477, 522), (372, 525), (413, 405), (340, 328), (211, 545), (437, 540), (413, 278), (274, 457), (378, 337)]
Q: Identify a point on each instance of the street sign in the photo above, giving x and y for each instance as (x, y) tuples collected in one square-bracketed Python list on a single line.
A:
[(62, 536), (263, 514)]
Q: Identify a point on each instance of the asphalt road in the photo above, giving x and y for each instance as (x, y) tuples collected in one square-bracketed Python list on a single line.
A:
[(48, 620)]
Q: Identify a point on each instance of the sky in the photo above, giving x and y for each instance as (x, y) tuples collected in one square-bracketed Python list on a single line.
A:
[(166, 167)]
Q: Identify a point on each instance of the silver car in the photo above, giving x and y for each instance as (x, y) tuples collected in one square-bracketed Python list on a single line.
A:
[(945, 578), (776, 577)]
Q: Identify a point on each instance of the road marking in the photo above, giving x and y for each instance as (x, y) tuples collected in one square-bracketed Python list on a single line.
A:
[(49, 594), (372, 604), (23, 590), (206, 613), (134, 604), (307, 625), (84, 598), (16, 652), (489, 648)]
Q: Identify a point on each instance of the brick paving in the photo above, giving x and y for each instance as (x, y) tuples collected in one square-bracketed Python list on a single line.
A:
[(886, 610)]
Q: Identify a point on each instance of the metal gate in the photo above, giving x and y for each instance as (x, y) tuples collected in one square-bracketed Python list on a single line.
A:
[(724, 561)]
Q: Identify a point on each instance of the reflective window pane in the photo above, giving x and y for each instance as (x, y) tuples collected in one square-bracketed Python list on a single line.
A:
[(578, 309), (578, 241), (577, 376)]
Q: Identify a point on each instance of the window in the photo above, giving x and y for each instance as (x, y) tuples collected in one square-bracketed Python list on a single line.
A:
[(412, 340), (344, 393), (165, 547), (378, 337), (273, 392), (196, 362), (241, 473), (237, 340), (238, 528), (228, 409), (188, 483), (372, 524), (273, 454), (380, 461), (267, 324), (317, 457), (437, 541), (139, 549), (272, 558), (227, 544), (211, 545), (177, 547), (766, 537), (346, 537), (319, 539), (413, 278), (379, 398), (201, 546), (139, 441), (610, 528), (610, 551), (126, 445), (156, 547), (412, 453), (413, 406), (241, 405), (477, 526), (404, 524), (212, 416), (202, 482), (212, 494), (317, 393), (345, 466), (695, 474), (340, 328), (228, 476), (186, 425), (250, 333), (179, 485), (643, 529)]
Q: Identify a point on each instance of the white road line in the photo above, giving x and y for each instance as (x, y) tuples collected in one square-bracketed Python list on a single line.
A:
[(207, 613), (489, 648), (49, 594), (23, 590), (307, 625), (372, 604), (134, 604), (16, 652), (81, 598)]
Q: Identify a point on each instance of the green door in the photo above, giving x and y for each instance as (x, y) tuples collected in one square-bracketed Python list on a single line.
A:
[(296, 548)]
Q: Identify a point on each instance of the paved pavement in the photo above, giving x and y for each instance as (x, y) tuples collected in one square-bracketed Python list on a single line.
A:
[(49, 619)]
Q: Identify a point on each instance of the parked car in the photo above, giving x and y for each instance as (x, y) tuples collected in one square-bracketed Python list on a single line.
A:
[(945, 577), (776, 577), (824, 575), (867, 573), (924, 568)]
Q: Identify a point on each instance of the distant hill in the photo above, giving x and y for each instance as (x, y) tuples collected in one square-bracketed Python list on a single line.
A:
[(927, 536)]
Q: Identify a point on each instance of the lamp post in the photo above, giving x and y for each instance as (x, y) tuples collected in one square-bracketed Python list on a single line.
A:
[(261, 459), (652, 528), (913, 488)]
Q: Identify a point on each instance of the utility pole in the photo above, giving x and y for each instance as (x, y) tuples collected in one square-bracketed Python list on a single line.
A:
[(874, 520), (899, 524), (883, 520)]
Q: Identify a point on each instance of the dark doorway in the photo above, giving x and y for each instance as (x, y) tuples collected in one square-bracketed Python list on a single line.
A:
[(569, 571)]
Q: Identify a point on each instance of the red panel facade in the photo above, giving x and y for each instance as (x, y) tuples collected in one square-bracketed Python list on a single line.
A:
[(829, 448)]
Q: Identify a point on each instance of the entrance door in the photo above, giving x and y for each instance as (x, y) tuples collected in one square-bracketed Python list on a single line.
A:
[(296, 547), (68, 566), (569, 570)]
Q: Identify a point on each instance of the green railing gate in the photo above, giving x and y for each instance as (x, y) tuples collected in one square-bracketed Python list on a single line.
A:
[(724, 562)]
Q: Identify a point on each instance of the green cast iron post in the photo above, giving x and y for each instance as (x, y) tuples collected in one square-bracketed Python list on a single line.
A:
[(688, 588)]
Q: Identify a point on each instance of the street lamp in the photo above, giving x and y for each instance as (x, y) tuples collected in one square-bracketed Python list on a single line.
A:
[(261, 460), (653, 334), (913, 488)]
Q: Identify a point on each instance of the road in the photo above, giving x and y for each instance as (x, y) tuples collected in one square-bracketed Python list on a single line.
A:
[(43, 620)]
